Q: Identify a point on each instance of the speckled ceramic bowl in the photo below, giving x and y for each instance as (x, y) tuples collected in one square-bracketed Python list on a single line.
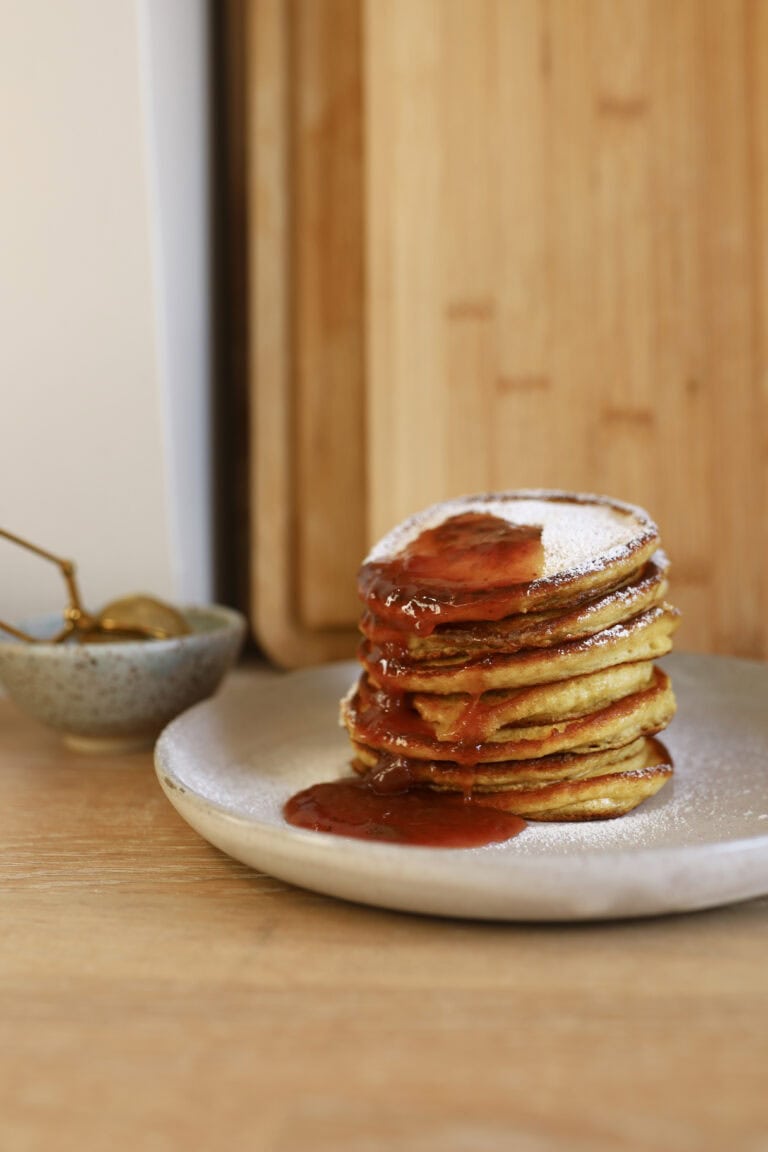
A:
[(118, 696)]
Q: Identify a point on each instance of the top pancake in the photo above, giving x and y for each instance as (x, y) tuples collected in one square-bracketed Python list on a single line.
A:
[(529, 629), (589, 544)]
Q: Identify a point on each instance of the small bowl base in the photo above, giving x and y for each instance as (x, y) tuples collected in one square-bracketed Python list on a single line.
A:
[(109, 745)]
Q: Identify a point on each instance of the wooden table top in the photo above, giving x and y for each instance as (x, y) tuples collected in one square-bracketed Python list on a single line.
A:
[(156, 994)]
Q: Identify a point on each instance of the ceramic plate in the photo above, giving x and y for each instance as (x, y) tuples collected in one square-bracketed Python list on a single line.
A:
[(229, 764)]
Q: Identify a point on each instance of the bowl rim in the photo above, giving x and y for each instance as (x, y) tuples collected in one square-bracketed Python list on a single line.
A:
[(226, 619)]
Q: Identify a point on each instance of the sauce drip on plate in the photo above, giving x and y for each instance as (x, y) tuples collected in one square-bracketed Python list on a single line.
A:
[(353, 807)]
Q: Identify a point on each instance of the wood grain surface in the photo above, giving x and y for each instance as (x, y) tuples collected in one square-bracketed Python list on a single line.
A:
[(559, 211), (156, 994)]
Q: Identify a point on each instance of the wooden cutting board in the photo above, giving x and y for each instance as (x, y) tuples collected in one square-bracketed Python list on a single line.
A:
[(506, 243)]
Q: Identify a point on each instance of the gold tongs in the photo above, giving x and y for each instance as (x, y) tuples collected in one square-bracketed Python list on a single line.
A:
[(130, 618)]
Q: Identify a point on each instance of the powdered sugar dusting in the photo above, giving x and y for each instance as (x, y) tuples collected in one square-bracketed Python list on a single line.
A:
[(580, 533)]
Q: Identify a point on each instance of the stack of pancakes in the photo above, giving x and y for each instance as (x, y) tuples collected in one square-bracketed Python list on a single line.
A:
[(508, 654)]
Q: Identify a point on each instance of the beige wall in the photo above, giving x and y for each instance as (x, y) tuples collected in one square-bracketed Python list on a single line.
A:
[(88, 410)]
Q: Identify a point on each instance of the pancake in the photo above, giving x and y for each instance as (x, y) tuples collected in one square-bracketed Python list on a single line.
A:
[(375, 722), (598, 795), (525, 630), (644, 637), (452, 715), (589, 544), (445, 775), (596, 798)]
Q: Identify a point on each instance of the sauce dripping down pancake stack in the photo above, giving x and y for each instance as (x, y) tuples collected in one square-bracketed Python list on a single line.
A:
[(508, 656)]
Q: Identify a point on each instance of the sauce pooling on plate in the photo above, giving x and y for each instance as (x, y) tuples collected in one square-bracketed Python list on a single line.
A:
[(352, 807)]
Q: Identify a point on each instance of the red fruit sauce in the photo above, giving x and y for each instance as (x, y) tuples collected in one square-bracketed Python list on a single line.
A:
[(351, 807), (460, 570)]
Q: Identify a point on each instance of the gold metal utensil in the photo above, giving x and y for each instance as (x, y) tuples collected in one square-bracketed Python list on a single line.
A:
[(137, 617)]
